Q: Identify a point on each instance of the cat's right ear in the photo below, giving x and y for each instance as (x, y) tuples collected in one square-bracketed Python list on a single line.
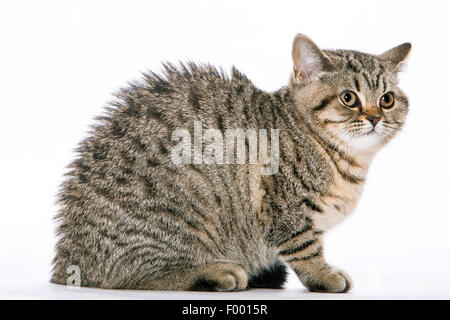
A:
[(309, 60)]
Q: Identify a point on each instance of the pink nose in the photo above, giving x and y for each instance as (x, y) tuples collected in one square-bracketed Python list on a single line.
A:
[(373, 120)]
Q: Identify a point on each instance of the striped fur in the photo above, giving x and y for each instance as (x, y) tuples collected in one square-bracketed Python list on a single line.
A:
[(131, 219)]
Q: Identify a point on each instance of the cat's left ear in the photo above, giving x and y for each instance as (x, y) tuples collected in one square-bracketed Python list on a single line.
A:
[(397, 55)]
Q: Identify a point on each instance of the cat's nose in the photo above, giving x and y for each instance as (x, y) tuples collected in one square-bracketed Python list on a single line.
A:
[(373, 120)]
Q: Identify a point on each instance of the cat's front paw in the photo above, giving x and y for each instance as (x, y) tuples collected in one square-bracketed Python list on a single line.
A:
[(335, 281)]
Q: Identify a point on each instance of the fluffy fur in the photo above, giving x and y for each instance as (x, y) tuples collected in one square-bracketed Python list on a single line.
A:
[(130, 218)]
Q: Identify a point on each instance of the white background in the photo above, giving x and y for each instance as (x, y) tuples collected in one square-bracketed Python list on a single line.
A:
[(61, 60)]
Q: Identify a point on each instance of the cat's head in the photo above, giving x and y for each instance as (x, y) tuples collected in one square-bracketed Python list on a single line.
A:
[(349, 96)]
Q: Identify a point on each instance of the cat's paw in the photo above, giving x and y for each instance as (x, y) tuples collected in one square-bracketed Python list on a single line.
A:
[(335, 281), (222, 278)]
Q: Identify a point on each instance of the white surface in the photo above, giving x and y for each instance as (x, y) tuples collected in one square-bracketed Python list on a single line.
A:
[(60, 62), (404, 275)]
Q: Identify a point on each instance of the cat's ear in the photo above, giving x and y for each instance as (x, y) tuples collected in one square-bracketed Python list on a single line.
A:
[(397, 55), (309, 60)]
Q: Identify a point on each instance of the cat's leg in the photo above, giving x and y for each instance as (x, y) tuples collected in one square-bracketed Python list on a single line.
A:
[(218, 276), (304, 255)]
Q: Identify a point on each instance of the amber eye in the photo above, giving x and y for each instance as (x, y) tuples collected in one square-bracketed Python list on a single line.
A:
[(349, 99), (387, 100)]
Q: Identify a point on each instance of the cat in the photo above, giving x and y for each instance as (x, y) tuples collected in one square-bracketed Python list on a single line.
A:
[(130, 218)]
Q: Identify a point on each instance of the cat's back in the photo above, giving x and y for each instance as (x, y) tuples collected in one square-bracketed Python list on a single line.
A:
[(125, 202)]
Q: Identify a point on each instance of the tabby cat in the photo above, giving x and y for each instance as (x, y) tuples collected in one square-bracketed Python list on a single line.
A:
[(131, 218)]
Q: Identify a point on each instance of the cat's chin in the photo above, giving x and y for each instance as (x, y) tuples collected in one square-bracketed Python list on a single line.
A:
[(363, 142)]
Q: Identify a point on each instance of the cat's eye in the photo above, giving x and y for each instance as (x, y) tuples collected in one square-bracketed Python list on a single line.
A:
[(349, 99), (387, 100)]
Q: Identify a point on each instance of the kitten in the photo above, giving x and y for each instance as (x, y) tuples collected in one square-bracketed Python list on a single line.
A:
[(132, 218)]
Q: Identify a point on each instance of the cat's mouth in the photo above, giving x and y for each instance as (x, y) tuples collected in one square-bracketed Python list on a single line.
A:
[(371, 132)]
